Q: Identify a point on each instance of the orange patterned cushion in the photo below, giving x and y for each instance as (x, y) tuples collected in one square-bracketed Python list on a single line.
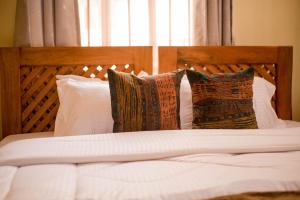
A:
[(222, 100), (148, 103)]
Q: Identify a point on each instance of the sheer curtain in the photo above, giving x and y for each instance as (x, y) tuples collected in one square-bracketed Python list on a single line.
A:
[(135, 22), (155, 22)]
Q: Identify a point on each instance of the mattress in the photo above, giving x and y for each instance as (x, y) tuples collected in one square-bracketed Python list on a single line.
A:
[(182, 164)]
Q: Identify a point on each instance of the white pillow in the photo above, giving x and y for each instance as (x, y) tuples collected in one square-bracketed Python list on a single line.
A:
[(262, 95), (85, 106), (266, 116), (186, 104)]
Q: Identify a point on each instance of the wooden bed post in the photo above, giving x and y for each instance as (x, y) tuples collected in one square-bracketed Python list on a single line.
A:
[(143, 60), (10, 89), (284, 82), (167, 59)]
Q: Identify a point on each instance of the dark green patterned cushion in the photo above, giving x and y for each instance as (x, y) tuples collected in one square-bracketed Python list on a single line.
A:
[(222, 100), (148, 103)]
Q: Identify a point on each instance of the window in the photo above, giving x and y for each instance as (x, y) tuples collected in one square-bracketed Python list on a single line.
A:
[(135, 22)]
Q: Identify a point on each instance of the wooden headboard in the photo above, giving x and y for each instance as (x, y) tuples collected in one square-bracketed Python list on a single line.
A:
[(28, 88), (272, 63), (28, 91)]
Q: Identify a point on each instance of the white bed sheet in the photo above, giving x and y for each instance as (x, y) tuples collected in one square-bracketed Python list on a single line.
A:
[(12, 138), (187, 164), (16, 137), (291, 124)]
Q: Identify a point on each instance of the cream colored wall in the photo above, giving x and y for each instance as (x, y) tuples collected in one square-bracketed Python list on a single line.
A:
[(270, 22), (7, 23)]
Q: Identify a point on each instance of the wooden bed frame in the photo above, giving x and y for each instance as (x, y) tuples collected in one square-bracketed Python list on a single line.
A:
[(28, 90), (272, 63), (28, 87)]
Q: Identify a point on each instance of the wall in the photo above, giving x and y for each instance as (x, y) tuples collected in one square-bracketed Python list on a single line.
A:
[(270, 22), (7, 22), (7, 27)]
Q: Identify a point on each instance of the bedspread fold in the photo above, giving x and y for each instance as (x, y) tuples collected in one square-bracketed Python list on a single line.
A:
[(124, 147)]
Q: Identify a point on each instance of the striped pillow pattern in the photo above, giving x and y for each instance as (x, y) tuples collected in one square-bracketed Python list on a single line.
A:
[(147, 103), (222, 100)]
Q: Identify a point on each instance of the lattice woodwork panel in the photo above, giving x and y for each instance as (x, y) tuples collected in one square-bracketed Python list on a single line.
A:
[(39, 97), (266, 71)]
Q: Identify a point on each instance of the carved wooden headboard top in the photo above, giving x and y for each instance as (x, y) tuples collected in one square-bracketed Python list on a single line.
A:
[(271, 63), (29, 96)]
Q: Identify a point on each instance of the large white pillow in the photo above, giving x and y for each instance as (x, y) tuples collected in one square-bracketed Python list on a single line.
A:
[(262, 95), (266, 116), (85, 106)]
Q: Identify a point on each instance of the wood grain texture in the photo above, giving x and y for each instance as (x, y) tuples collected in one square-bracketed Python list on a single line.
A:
[(87, 56), (272, 63), (284, 82), (28, 87), (10, 91)]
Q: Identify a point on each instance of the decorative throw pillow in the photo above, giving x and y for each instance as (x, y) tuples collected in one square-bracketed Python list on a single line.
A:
[(147, 103), (222, 100)]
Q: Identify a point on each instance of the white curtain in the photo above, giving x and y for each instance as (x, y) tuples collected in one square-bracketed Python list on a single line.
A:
[(47, 23), (212, 22), (155, 22)]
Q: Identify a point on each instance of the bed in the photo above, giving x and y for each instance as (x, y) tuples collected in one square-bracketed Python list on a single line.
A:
[(167, 164)]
